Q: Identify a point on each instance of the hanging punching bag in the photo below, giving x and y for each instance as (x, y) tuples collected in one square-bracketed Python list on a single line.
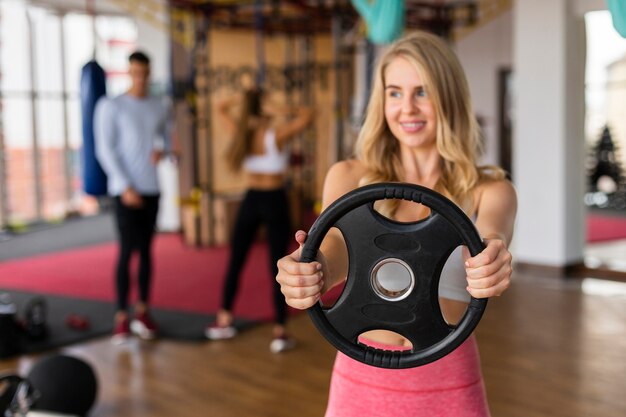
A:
[(92, 88)]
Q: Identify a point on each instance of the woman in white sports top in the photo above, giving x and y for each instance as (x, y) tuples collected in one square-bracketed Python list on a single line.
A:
[(258, 147)]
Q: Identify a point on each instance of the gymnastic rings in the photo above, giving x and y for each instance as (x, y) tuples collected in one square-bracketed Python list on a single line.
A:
[(393, 275)]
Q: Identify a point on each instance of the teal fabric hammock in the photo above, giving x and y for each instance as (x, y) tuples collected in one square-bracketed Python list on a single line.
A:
[(384, 18), (618, 13)]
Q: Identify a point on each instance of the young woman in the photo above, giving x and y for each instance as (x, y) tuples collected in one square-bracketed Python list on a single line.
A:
[(259, 147), (419, 128)]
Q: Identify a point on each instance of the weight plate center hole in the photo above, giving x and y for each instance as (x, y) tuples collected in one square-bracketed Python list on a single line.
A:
[(392, 279)]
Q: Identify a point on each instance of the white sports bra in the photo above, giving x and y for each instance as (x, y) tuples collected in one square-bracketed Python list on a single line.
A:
[(273, 161), (453, 282)]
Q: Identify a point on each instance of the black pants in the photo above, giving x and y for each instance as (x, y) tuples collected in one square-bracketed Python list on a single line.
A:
[(135, 228), (259, 207)]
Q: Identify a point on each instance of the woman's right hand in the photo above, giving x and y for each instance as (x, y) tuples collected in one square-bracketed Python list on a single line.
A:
[(301, 283)]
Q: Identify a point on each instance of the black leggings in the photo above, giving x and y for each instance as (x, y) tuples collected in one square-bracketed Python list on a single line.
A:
[(259, 207), (135, 228)]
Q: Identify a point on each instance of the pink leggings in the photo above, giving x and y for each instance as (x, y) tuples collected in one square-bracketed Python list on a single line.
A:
[(450, 387)]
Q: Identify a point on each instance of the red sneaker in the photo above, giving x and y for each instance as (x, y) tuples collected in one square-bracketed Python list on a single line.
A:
[(143, 326), (121, 332)]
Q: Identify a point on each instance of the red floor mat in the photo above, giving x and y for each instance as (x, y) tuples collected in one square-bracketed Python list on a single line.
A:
[(186, 279), (603, 227)]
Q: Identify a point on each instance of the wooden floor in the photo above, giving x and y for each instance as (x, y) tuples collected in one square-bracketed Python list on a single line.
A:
[(550, 348), (610, 254)]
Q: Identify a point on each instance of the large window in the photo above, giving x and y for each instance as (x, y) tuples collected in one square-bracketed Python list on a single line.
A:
[(605, 125), (41, 58)]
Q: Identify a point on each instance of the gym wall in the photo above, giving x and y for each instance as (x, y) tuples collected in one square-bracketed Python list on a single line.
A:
[(298, 70)]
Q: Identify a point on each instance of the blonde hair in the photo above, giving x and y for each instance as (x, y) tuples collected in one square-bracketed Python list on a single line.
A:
[(241, 145), (458, 136)]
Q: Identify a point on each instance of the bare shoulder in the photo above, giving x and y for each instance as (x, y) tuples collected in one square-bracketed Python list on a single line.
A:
[(342, 177), (501, 192), (351, 167), (501, 187)]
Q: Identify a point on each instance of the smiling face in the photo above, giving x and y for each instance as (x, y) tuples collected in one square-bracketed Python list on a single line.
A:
[(409, 111)]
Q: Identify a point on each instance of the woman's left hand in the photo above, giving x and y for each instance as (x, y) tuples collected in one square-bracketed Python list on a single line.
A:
[(489, 272)]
